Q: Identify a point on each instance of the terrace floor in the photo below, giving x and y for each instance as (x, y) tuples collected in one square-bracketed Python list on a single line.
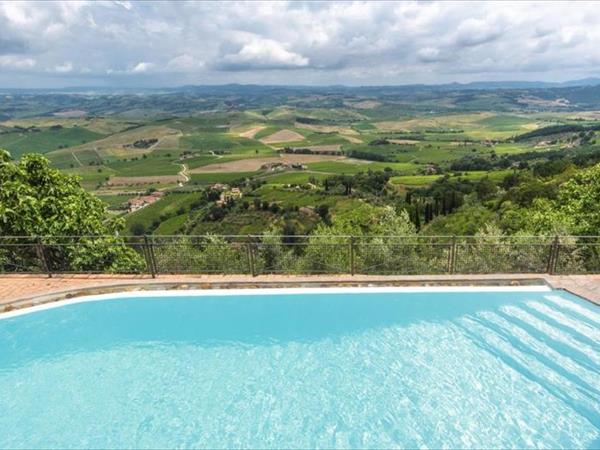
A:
[(21, 291)]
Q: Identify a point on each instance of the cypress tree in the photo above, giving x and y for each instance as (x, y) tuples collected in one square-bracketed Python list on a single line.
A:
[(417, 217), (454, 201)]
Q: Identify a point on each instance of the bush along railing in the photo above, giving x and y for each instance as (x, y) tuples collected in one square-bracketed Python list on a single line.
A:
[(276, 254)]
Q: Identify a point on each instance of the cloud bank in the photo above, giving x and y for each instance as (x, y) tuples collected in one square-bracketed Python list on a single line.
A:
[(51, 44)]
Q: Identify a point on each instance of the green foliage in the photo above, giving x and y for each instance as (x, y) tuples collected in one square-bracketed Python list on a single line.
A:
[(211, 254), (575, 209), (36, 200), (329, 251), (554, 129), (466, 221)]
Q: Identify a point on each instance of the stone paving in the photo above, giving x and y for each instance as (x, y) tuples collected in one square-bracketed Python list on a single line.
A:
[(17, 291)]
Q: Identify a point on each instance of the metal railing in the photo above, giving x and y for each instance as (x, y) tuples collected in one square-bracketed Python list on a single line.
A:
[(269, 254)]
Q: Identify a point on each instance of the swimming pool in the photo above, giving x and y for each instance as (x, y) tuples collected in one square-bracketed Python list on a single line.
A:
[(347, 368)]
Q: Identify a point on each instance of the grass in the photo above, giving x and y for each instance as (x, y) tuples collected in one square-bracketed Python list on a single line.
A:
[(173, 225), (363, 126), (425, 180), (101, 125), (45, 140), (480, 126), (216, 142), (113, 201), (148, 166), (294, 197), (168, 205), (134, 189), (268, 131), (349, 168), (91, 176), (312, 138), (294, 177), (220, 177), (116, 145), (202, 160), (415, 180)]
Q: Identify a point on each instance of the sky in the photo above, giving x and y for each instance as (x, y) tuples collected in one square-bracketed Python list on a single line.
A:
[(156, 44)]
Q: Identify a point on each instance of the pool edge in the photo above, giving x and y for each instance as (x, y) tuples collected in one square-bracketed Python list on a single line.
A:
[(161, 288)]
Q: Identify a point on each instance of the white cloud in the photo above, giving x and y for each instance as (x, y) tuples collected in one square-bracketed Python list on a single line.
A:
[(429, 54), (184, 63), (142, 67), (125, 4), (15, 62), (64, 68), (261, 53), (319, 42)]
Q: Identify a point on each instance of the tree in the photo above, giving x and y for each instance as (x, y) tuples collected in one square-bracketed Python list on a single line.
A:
[(575, 209), (323, 212), (348, 183), (417, 216), (485, 188), (36, 200), (138, 229)]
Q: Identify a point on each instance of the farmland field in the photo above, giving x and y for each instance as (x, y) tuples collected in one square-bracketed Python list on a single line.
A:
[(254, 164), (381, 149), (294, 177), (44, 140), (423, 180), (166, 206)]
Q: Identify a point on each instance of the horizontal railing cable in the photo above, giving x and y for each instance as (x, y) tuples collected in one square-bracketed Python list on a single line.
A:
[(257, 254)]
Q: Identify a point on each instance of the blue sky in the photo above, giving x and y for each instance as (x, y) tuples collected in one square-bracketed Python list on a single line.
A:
[(121, 43)]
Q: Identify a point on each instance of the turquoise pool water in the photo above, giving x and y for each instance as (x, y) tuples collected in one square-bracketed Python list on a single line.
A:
[(347, 370)]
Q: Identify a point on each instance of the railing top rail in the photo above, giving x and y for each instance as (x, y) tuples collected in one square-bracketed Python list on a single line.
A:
[(481, 237), (304, 235)]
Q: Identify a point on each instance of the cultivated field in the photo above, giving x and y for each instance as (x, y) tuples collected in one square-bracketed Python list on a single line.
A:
[(415, 142), (282, 136), (139, 181), (247, 165), (249, 134)]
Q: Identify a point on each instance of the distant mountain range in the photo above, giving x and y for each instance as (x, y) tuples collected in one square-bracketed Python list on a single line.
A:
[(241, 88), (521, 84)]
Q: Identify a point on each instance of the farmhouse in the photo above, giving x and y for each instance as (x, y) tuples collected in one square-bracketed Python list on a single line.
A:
[(232, 194), (280, 166), (137, 203)]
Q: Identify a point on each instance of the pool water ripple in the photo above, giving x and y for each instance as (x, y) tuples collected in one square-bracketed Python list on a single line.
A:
[(336, 370)]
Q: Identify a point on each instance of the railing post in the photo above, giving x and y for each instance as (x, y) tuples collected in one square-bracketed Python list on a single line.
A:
[(553, 257), (148, 253), (152, 257), (39, 245), (452, 256), (351, 250), (250, 249)]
